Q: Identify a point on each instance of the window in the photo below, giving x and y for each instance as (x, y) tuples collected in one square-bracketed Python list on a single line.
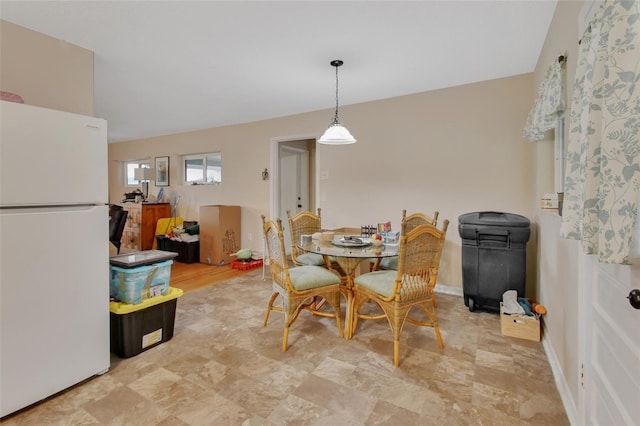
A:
[(130, 166), (203, 169)]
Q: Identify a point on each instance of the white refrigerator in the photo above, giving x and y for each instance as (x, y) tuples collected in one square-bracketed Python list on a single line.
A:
[(54, 252)]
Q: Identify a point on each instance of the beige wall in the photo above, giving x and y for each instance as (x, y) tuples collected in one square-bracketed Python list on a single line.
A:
[(454, 150), (45, 71), (558, 285), (562, 38)]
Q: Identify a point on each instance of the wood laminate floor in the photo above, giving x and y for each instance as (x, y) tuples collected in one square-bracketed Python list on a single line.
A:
[(192, 276)]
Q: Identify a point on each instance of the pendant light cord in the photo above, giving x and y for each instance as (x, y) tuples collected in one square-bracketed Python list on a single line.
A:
[(335, 119), (336, 63)]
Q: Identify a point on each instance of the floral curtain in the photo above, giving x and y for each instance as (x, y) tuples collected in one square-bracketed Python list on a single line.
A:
[(603, 155), (549, 105)]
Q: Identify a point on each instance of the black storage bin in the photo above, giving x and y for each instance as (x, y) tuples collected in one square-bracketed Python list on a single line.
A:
[(494, 257), (136, 328), (164, 243), (188, 252)]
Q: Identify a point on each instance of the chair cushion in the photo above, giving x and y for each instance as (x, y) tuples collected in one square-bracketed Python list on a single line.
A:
[(311, 259), (381, 282), (309, 276), (386, 262), (389, 263)]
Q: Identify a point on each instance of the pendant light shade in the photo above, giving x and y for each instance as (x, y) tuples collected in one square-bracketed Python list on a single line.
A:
[(336, 134)]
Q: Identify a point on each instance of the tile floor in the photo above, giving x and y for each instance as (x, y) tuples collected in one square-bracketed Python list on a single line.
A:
[(222, 367)]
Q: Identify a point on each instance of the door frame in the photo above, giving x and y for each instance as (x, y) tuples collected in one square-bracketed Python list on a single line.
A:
[(274, 201), (299, 153)]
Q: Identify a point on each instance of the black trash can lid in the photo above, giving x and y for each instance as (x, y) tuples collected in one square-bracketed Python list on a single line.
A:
[(494, 219)]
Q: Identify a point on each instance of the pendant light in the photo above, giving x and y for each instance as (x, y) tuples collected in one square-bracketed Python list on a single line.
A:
[(336, 134)]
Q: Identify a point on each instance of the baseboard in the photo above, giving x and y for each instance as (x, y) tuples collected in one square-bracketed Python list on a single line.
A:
[(563, 387), (445, 289)]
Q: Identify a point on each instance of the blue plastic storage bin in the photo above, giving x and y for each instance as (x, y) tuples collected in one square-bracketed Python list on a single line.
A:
[(135, 285)]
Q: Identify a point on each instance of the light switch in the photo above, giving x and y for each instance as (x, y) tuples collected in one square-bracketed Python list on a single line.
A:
[(324, 174)]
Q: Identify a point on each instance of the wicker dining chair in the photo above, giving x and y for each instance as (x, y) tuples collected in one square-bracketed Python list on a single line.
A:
[(305, 223), (397, 292), (300, 287), (412, 221)]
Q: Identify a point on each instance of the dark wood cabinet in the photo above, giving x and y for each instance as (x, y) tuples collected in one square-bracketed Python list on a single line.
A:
[(140, 229)]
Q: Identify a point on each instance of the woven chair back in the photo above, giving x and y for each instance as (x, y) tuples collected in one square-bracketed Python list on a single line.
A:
[(303, 223), (416, 219), (419, 260), (276, 253)]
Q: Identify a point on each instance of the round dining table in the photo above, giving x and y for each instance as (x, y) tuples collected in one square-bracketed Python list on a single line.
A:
[(348, 252)]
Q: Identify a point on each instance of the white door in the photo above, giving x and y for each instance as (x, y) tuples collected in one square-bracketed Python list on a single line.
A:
[(609, 328), (293, 184), (610, 380)]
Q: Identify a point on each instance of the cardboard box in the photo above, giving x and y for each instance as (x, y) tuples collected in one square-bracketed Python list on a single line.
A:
[(219, 234), (391, 236), (520, 326), (384, 227)]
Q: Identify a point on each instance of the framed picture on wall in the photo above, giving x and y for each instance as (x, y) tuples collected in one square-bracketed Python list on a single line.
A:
[(162, 171)]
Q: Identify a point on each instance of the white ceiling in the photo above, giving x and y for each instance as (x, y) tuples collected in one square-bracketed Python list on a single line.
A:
[(165, 67)]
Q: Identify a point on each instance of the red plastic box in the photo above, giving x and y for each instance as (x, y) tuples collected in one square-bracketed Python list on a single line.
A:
[(245, 266)]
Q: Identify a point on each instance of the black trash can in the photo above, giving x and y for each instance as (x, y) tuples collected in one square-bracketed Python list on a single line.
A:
[(494, 257)]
